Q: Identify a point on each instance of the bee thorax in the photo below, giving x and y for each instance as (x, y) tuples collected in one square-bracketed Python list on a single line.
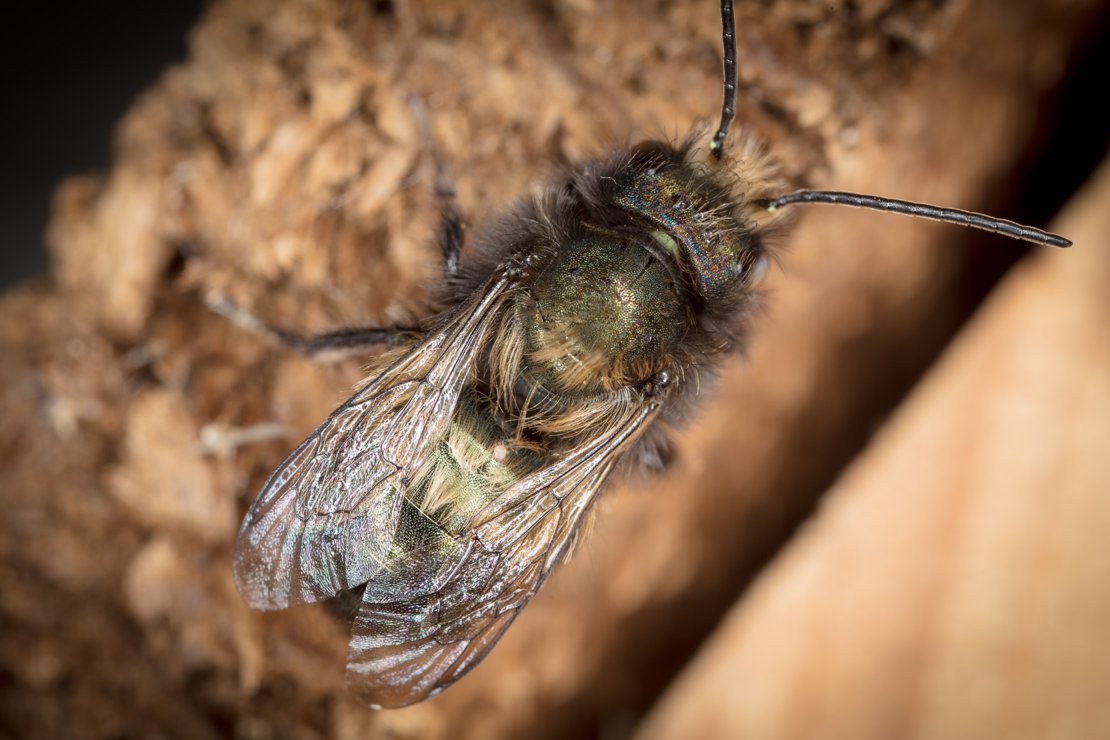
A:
[(605, 314)]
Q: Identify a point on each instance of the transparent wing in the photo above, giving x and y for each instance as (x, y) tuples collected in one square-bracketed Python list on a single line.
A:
[(325, 519), (424, 624)]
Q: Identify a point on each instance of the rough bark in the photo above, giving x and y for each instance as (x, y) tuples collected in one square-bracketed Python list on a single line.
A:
[(280, 165)]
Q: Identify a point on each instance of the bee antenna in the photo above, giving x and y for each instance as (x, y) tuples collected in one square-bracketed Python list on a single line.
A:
[(728, 107), (920, 210)]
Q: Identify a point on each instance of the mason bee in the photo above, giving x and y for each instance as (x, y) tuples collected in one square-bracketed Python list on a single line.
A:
[(445, 490)]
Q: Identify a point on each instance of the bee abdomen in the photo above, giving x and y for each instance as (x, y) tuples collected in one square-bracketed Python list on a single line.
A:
[(476, 462)]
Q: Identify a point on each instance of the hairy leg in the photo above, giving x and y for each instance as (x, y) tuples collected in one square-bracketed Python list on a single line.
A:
[(451, 226), (345, 340)]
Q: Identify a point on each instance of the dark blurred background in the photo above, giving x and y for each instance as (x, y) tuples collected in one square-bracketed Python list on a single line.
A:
[(68, 72)]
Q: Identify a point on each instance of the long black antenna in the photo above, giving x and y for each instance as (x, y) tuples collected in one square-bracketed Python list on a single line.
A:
[(872, 202), (728, 108), (921, 210)]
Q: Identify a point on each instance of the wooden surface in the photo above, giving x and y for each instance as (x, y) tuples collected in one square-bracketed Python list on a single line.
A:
[(280, 164), (956, 582)]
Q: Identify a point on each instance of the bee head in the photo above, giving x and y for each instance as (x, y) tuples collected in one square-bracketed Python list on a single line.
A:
[(700, 209)]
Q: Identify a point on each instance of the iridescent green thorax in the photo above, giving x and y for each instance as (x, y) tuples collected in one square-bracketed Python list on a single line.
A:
[(605, 314), (710, 243)]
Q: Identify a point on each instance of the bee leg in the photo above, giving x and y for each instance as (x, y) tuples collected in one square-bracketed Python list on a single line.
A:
[(349, 339), (658, 455), (346, 340), (451, 222)]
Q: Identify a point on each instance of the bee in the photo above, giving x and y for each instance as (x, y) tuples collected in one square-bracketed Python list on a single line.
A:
[(444, 491)]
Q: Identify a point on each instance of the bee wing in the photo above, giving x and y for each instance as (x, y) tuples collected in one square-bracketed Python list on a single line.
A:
[(325, 519), (423, 625)]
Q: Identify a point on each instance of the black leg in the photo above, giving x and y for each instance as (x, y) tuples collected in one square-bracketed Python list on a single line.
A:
[(451, 225), (451, 222), (354, 339), (351, 339), (345, 340)]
